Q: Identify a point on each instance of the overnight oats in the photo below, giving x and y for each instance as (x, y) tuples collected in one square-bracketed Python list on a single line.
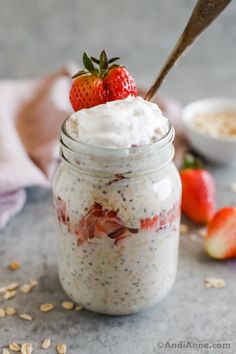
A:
[(116, 194), (117, 201)]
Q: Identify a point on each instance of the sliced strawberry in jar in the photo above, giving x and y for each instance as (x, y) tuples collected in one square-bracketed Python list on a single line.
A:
[(106, 227), (122, 232), (149, 223), (60, 206), (220, 242)]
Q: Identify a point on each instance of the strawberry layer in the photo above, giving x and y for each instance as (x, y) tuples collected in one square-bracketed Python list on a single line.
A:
[(100, 222)]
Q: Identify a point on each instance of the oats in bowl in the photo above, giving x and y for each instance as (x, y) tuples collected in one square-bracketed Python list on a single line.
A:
[(218, 124)]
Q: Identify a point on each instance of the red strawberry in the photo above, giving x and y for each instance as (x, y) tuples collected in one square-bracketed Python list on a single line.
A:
[(220, 242), (87, 91), (94, 86), (119, 84), (149, 223), (198, 191)]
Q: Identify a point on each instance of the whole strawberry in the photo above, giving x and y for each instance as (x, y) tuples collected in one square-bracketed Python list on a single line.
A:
[(198, 191), (220, 241), (94, 86)]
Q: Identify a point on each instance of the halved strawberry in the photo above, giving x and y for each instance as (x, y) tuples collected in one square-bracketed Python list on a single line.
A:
[(220, 242)]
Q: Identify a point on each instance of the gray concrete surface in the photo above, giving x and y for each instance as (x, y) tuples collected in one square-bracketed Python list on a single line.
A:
[(38, 37)]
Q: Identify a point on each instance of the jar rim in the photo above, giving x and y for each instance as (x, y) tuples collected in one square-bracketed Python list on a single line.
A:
[(86, 149)]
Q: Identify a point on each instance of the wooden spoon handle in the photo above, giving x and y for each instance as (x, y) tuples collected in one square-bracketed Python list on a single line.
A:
[(203, 14)]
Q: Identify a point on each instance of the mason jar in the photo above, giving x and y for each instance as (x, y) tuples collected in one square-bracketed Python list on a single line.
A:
[(117, 214)]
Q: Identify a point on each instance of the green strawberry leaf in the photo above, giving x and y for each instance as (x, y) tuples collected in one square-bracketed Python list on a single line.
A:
[(88, 64), (95, 60), (103, 61), (113, 59), (79, 73)]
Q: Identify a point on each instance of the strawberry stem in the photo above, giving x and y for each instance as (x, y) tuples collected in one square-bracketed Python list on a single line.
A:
[(79, 73), (88, 64), (113, 59), (103, 63), (95, 60), (192, 162)]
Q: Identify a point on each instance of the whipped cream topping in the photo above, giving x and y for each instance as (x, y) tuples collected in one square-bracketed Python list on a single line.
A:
[(118, 124)]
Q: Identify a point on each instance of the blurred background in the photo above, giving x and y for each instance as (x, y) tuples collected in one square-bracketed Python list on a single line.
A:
[(37, 37)]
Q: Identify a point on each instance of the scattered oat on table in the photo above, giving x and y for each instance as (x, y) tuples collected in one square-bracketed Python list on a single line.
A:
[(184, 229), (9, 294), (13, 286), (26, 348), (46, 343), (15, 347), (25, 316), (2, 312), (14, 265), (25, 288), (5, 351), (33, 283), (10, 311), (61, 348), (68, 305), (46, 307), (202, 232), (214, 283), (3, 289), (79, 308)]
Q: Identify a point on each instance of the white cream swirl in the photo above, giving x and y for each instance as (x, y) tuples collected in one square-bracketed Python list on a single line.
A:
[(118, 124)]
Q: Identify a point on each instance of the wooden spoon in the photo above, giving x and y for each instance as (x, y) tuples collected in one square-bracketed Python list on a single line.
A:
[(203, 14)]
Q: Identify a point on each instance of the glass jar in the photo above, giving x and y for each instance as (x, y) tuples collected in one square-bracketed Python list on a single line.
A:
[(118, 214)]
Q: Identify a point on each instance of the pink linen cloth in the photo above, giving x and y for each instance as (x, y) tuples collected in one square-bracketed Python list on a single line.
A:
[(31, 114)]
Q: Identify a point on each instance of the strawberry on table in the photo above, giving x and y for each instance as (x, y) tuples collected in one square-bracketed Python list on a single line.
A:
[(198, 191), (220, 242), (93, 86)]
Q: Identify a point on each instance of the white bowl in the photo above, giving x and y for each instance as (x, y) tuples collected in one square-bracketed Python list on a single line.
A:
[(216, 149)]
